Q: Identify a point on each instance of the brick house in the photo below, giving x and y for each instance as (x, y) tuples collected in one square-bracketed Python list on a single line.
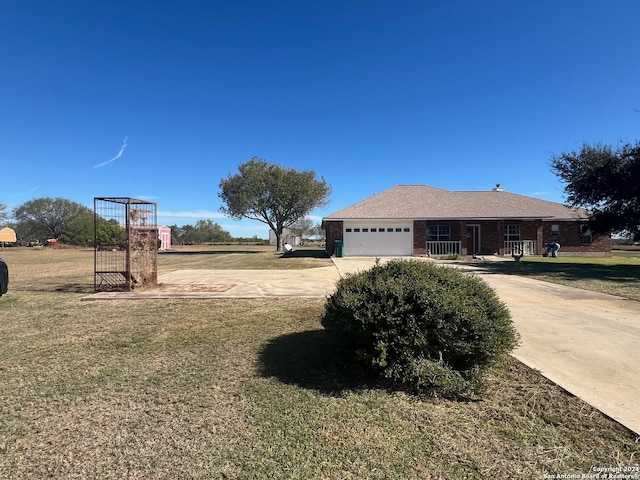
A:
[(417, 220)]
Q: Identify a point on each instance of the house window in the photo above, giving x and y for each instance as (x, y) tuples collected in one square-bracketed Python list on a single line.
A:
[(389, 229), (585, 235), (356, 230), (347, 230), (555, 230), (398, 230), (512, 233), (438, 233), (407, 229), (373, 230), (365, 230)]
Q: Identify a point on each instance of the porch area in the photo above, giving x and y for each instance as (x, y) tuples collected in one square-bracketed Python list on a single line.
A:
[(521, 247), (443, 248), (452, 247)]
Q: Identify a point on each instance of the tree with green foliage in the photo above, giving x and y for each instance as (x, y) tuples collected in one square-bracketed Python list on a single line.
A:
[(606, 181), (46, 217), (110, 234), (272, 194), (203, 231), (79, 229), (209, 231), (303, 228), (4, 215)]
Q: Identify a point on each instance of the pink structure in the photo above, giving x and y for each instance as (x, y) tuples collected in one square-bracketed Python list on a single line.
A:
[(164, 234)]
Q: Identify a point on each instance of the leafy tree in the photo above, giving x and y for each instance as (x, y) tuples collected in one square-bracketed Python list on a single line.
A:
[(606, 181), (188, 234), (318, 232), (272, 194), (303, 228), (208, 231), (110, 234), (203, 231), (79, 229), (46, 217), (175, 234), (4, 215)]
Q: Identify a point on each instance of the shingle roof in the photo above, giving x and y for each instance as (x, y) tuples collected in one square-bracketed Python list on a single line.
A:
[(430, 203)]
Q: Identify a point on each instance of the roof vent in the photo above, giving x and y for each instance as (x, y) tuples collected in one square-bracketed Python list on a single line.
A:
[(498, 188)]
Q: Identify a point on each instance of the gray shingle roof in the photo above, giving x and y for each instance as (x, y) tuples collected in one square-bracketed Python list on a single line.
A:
[(430, 203)]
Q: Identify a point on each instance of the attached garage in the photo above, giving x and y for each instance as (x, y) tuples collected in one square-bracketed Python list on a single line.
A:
[(378, 238)]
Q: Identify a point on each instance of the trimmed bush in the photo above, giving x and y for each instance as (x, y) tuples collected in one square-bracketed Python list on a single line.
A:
[(424, 327)]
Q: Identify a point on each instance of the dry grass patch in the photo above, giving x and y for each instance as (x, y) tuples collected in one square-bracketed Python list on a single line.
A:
[(250, 389), (240, 257)]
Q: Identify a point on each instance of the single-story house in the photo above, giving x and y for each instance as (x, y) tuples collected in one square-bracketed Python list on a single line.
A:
[(419, 220)]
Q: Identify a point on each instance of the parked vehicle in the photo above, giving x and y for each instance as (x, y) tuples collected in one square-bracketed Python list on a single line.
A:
[(4, 277)]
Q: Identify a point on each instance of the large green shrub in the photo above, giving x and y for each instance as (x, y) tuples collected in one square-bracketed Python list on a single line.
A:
[(425, 327)]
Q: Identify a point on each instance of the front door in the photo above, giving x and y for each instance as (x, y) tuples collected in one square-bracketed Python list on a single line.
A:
[(473, 239)]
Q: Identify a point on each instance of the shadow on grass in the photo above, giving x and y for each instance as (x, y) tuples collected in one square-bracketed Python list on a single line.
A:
[(564, 270), (310, 360), (74, 288), (305, 254), (175, 253), (84, 288)]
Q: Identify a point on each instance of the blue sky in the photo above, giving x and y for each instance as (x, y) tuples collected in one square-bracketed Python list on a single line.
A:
[(161, 100)]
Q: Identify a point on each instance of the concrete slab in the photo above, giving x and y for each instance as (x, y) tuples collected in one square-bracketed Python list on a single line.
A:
[(311, 283)]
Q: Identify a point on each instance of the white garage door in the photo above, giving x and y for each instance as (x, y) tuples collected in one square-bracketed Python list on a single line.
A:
[(378, 239)]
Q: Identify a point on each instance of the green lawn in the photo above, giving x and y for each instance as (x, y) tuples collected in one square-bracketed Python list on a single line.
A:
[(616, 275), (249, 389)]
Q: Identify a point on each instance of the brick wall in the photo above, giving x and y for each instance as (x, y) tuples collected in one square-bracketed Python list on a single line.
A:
[(419, 237), (333, 231), (569, 239), (491, 237)]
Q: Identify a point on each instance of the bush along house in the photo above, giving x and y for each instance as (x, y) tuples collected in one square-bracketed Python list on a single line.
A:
[(419, 220)]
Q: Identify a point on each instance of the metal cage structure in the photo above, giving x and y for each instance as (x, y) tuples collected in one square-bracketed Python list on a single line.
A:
[(125, 242)]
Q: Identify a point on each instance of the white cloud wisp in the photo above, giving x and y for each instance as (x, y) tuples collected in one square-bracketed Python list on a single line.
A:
[(124, 145)]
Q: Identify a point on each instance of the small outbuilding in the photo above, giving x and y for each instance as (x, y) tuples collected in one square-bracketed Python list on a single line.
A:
[(7, 235), (164, 235)]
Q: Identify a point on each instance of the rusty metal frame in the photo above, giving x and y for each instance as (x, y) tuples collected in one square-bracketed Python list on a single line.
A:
[(125, 243)]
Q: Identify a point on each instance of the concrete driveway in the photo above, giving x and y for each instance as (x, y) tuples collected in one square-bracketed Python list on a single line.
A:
[(586, 342)]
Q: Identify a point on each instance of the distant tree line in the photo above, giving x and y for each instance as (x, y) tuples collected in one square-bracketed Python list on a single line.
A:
[(71, 223), (204, 231)]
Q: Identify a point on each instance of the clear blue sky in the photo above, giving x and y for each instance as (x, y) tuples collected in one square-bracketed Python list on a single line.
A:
[(160, 100)]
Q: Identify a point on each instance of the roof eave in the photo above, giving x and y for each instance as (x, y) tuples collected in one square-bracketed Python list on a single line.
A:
[(472, 219)]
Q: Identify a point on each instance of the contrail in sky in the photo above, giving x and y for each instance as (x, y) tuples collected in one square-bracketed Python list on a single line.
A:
[(124, 145)]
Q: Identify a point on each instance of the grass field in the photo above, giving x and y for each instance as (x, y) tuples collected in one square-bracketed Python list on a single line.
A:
[(249, 389), (618, 274)]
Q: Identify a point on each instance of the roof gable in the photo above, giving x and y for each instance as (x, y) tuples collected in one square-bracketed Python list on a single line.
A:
[(430, 203)]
